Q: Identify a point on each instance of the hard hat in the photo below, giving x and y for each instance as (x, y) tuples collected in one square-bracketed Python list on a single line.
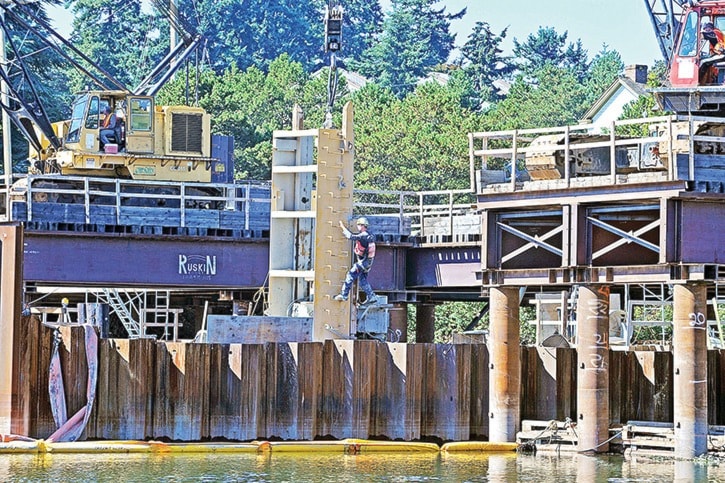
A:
[(708, 27), (362, 221)]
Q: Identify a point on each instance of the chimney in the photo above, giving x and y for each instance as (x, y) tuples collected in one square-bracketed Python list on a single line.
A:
[(637, 73)]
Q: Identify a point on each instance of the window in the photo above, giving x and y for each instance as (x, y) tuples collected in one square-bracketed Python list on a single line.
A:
[(141, 114), (688, 45), (93, 114)]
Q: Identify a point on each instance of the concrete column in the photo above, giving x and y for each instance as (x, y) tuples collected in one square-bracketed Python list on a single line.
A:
[(425, 317), (398, 323), (592, 395), (11, 284), (504, 377), (689, 341)]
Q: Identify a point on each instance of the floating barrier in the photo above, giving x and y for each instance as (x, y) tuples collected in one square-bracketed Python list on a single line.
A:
[(353, 446), (484, 446), (346, 446)]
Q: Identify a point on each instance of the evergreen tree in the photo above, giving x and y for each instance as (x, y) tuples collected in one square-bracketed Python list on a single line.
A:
[(603, 70), (483, 61), (416, 37), (549, 47), (119, 37), (256, 32), (551, 97), (362, 26)]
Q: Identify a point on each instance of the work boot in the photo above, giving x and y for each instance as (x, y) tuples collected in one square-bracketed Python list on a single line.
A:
[(370, 300), (340, 297)]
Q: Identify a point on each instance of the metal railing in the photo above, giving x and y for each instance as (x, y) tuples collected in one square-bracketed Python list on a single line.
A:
[(120, 194), (506, 152), (427, 211)]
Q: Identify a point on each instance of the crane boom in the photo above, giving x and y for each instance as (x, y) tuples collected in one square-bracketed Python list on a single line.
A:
[(665, 23)]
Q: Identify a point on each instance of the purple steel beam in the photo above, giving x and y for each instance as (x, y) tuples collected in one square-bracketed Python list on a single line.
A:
[(57, 258), (111, 260)]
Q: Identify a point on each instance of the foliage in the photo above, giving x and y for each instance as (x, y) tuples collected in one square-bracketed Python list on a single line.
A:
[(46, 74), (603, 71), (551, 97), (362, 27), (547, 47), (416, 37), (119, 37), (454, 317), (414, 143), (255, 32), (250, 105), (484, 62)]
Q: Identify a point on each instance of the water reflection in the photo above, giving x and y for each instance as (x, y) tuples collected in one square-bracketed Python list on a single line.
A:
[(333, 467)]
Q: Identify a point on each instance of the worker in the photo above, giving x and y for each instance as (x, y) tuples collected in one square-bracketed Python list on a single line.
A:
[(708, 70), (364, 246), (108, 126)]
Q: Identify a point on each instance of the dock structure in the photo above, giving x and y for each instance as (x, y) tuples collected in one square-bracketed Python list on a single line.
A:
[(601, 211), (592, 229)]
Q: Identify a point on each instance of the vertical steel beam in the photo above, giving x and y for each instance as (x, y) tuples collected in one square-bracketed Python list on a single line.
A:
[(505, 367), (689, 340), (592, 316), (425, 317), (332, 251), (11, 263)]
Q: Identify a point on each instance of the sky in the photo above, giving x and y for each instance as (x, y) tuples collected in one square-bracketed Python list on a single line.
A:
[(623, 25)]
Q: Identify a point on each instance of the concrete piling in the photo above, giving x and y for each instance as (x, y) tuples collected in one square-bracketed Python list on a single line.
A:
[(505, 364), (689, 340), (592, 318)]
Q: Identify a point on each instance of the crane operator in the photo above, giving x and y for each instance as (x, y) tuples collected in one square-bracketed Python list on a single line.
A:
[(716, 39)]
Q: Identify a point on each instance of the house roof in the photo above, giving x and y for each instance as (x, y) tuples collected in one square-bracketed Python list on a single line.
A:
[(621, 82)]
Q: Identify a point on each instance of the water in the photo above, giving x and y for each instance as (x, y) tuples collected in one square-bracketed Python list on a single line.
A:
[(332, 467)]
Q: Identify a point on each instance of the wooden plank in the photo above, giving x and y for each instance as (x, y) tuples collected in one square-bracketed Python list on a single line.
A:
[(310, 357), (282, 392), (124, 402), (389, 395), (337, 367), (144, 216), (169, 419), (479, 392), (415, 377)]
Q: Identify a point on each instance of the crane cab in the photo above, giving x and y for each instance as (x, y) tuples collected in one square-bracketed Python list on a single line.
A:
[(150, 142), (694, 62), (697, 69)]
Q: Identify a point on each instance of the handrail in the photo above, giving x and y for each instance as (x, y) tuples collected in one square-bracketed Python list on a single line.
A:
[(509, 147)]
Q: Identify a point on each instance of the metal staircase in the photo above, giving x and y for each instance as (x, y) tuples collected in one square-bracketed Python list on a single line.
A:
[(125, 309)]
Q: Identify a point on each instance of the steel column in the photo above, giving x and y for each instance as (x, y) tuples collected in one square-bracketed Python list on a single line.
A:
[(398, 323), (592, 316), (11, 239), (505, 367), (689, 340), (425, 316)]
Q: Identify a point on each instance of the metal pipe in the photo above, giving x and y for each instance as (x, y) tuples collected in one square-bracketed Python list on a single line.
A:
[(505, 365), (689, 340), (592, 395)]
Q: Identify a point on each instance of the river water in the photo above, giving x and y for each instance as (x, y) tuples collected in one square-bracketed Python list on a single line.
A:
[(332, 467)]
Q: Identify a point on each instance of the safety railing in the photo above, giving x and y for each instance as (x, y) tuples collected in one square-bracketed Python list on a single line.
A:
[(114, 198), (563, 156), (444, 215)]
